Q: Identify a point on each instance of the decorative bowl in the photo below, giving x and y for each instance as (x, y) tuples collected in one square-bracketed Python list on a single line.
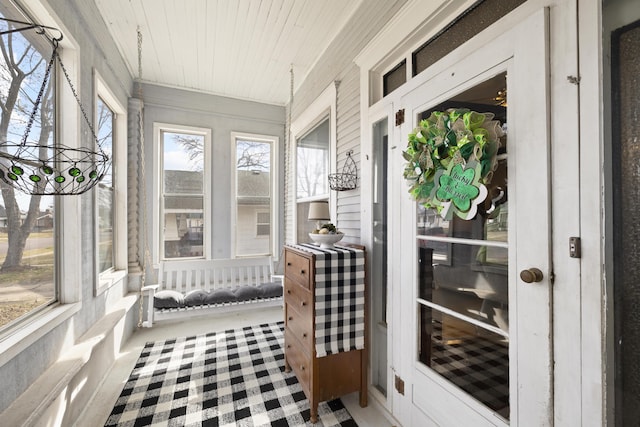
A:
[(326, 241)]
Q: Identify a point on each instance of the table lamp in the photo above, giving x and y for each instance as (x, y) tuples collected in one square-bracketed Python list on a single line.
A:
[(319, 211)]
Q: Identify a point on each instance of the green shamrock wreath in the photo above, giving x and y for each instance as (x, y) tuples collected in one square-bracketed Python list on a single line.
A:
[(456, 137)]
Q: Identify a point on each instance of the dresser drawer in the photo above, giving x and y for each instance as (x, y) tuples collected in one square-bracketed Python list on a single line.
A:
[(298, 360), (298, 297), (301, 328), (298, 268)]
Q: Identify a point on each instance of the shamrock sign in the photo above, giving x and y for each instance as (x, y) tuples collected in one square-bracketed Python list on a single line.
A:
[(458, 190)]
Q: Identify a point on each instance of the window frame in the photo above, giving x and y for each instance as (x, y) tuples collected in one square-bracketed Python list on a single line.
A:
[(158, 191), (67, 216), (323, 107), (273, 185), (115, 274)]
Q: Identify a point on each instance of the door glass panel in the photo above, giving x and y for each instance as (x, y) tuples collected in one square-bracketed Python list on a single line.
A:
[(379, 256), (463, 294)]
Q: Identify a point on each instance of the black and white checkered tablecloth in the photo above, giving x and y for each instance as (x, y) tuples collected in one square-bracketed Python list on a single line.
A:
[(339, 296)]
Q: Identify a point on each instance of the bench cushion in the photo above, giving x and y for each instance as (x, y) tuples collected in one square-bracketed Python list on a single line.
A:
[(195, 297), (270, 290), (246, 293), (219, 296), (168, 299)]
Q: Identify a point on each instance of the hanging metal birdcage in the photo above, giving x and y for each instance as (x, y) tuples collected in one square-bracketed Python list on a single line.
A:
[(43, 168), (348, 178)]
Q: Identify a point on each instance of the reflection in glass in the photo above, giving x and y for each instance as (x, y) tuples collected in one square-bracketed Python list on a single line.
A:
[(472, 358)]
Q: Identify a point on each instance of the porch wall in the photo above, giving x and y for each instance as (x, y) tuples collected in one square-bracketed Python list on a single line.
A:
[(222, 115), (74, 337), (337, 64)]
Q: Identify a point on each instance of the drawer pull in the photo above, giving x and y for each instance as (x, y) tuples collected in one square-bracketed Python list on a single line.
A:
[(302, 272), (289, 291), (303, 303), (288, 345), (302, 367), (290, 318), (289, 264), (304, 335)]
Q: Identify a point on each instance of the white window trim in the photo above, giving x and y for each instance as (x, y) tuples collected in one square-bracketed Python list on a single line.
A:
[(116, 274), (158, 127), (275, 193), (67, 212), (324, 105)]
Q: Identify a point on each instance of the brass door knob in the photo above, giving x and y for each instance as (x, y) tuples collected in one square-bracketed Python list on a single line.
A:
[(531, 275)]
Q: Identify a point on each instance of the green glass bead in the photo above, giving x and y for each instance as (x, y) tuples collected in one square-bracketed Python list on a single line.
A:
[(80, 178), (74, 171), (17, 170), (47, 169), (12, 176), (59, 179), (35, 178), (93, 174)]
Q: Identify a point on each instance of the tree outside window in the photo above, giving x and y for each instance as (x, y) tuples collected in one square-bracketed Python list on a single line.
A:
[(105, 189), (26, 221), (312, 171)]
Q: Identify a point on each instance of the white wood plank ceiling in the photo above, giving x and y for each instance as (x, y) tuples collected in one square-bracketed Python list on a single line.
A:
[(238, 48)]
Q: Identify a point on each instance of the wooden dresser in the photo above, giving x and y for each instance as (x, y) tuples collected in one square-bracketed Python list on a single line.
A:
[(325, 332)]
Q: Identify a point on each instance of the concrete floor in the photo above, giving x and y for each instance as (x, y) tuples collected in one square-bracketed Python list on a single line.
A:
[(104, 399)]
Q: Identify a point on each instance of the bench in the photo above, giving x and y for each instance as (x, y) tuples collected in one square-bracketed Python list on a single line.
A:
[(196, 287)]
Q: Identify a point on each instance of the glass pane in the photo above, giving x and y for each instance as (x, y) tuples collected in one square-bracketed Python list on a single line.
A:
[(472, 358), (304, 226), (253, 197), (183, 234), (312, 157), (379, 256), (626, 149), (105, 228), (183, 194), (183, 163), (26, 251), (104, 131)]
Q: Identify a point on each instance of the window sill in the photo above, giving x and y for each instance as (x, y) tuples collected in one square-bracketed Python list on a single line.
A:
[(34, 330), (107, 280)]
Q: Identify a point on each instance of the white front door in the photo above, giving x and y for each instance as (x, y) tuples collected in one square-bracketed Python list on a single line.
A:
[(476, 323)]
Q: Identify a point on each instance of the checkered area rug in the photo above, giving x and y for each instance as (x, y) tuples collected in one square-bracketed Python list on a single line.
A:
[(231, 378)]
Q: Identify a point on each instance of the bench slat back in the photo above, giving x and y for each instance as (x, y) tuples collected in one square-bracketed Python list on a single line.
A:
[(184, 276)]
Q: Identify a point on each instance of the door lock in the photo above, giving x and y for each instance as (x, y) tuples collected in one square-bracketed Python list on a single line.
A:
[(531, 275)]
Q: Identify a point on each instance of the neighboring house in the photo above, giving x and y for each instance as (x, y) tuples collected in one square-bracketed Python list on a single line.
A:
[(536, 293), (254, 207)]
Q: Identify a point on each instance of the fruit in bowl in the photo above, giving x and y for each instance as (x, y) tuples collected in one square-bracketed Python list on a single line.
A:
[(326, 235), (327, 228)]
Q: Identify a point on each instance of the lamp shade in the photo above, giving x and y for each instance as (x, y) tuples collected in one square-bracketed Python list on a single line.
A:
[(318, 211)]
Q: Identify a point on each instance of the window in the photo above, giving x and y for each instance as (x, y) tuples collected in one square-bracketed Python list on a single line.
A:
[(110, 193), (184, 190), (314, 145), (255, 194), (105, 191), (27, 223), (312, 170)]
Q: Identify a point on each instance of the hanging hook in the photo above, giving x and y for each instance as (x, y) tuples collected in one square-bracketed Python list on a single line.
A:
[(30, 26)]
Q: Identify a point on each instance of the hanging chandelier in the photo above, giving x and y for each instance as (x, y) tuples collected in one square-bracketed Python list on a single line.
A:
[(41, 168)]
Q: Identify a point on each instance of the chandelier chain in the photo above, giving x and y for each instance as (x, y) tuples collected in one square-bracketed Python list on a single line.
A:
[(75, 95)]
